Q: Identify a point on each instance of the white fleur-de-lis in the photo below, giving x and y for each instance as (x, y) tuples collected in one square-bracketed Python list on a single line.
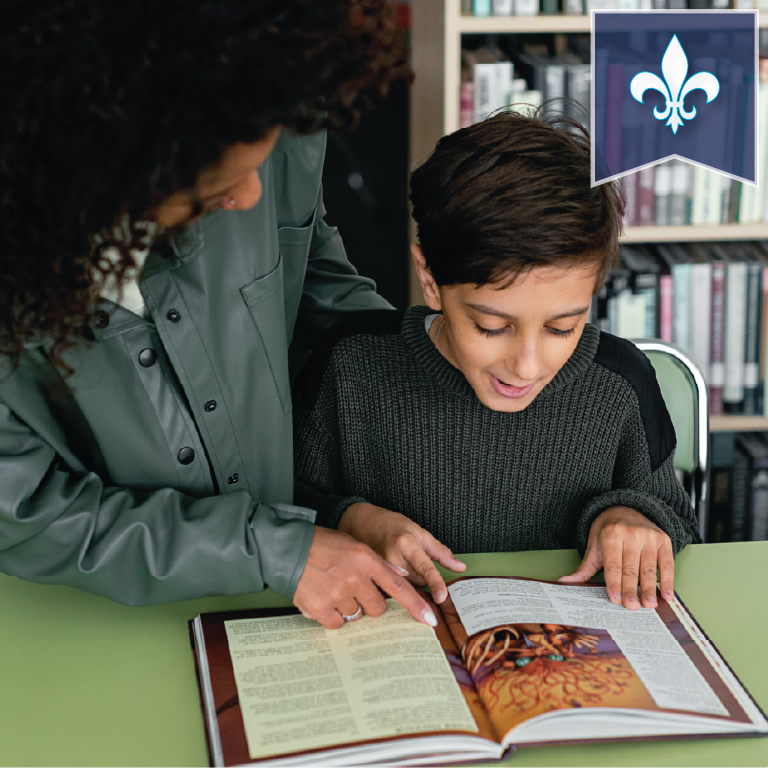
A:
[(674, 65)]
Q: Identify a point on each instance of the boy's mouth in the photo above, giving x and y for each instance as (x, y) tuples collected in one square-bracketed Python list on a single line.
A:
[(507, 390)]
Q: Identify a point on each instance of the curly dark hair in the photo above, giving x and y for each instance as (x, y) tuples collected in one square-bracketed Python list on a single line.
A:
[(110, 107), (511, 193)]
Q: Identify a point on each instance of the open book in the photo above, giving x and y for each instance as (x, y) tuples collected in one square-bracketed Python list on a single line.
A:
[(513, 662)]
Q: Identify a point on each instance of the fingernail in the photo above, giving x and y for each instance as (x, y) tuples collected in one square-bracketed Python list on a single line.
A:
[(633, 600), (651, 600), (429, 617), (398, 570), (616, 597), (440, 595)]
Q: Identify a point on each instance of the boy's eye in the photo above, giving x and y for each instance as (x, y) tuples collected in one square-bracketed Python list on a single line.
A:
[(560, 332), (488, 332)]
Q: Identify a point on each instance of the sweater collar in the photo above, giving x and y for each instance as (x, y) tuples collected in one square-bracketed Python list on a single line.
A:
[(453, 380)]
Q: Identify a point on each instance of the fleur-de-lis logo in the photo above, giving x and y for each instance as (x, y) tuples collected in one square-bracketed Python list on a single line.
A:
[(674, 65)]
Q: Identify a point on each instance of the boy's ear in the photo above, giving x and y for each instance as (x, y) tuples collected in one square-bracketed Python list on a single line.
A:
[(429, 288)]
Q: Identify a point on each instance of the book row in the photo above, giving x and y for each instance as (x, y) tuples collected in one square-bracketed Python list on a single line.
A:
[(484, 8), (709, 299)]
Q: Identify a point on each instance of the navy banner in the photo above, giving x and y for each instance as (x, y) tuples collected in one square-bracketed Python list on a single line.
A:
[(674, 84)]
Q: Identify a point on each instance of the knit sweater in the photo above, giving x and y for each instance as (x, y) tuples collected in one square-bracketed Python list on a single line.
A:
[(381, 416)]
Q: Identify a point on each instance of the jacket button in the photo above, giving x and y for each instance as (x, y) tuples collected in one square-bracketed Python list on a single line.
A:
[(232, 479), (102, 318), (186, 456), (210, 406), (148, 357), (174, 315)]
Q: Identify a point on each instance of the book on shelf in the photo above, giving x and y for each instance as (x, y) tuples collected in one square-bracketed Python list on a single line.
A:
[(719, 516), (716, 377), (512, 663), (735, 328)]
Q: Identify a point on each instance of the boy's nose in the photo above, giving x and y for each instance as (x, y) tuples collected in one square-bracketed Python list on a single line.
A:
[(526, 362)]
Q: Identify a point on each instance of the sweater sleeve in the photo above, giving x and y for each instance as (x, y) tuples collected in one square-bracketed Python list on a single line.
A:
[(318, 470), (655, 493)]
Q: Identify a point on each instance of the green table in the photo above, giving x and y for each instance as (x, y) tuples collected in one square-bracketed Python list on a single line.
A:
[(84, 681)]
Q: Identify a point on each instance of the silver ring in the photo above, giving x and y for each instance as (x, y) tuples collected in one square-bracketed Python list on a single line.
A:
[(355, 616)]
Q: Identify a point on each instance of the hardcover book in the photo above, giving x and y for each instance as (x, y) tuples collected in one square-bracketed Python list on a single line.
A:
[(512, 663)]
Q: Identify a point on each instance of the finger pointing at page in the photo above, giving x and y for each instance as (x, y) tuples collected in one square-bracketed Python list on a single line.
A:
[(341, 571)]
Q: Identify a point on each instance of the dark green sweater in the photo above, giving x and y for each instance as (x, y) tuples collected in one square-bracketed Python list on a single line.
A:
[(382, 416)]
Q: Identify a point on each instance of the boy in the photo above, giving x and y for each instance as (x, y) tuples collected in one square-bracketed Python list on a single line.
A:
[(495, 418)]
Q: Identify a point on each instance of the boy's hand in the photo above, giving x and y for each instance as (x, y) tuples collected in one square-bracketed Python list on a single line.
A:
[(343, 575), (405, 545), (629, 548)]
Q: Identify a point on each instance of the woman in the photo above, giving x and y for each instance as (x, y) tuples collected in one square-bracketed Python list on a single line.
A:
[(147, 301)]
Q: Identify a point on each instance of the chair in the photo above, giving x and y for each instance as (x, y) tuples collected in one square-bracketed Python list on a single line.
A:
[(685, 394)]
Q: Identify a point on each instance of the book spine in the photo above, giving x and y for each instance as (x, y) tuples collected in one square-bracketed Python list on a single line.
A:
[(484, 90), (764, 343), (665, 308), (466, 7), (681, 277), (735, 333), (701, 308), (630, 192), (503, 7), (550, 7), (646, 194), (662, 194), (573, 7), (677, 193), (752, 339), (740, 496), (701, 183), (481, 7), (466, 104), (718, 522), (717, 323), (758, 517), (527, 7), (503, 78)]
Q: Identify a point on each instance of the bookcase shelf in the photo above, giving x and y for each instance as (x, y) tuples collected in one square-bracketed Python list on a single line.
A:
[(690, 234), (490, 25), (738, 424), (472, 25)]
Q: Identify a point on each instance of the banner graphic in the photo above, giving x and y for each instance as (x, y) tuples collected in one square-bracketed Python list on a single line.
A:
[(671, 84)]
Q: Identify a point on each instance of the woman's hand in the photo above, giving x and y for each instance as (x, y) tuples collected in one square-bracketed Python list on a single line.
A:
[(629, 548), (405, 545), (342, 576)]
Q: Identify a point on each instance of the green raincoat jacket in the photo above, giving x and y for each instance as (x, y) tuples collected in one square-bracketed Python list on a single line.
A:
[(162, 469)]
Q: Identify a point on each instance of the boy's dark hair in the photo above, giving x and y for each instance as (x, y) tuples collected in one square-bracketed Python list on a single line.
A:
[(110, 107), (511, 193)]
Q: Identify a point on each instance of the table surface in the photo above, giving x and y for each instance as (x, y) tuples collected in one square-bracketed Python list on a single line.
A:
[(85, 681)]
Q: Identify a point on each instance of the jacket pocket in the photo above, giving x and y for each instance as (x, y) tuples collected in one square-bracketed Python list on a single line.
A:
[(294, 243), (265, 300)]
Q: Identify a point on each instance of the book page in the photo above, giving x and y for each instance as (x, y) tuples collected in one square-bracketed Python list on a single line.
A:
[(303, 687), (549, 621)]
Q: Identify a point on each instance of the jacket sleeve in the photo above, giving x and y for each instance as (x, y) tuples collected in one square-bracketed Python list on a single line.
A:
[(318, 470), (63, 527), (656, 493)]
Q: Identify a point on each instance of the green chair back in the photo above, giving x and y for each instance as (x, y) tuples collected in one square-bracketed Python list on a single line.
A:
[(685, 395)]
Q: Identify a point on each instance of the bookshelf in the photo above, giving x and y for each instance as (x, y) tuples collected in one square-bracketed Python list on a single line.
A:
[(436, 31)]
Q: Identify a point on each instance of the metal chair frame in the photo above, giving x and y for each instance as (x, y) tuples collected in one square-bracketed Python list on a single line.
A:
[(699, 481)]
